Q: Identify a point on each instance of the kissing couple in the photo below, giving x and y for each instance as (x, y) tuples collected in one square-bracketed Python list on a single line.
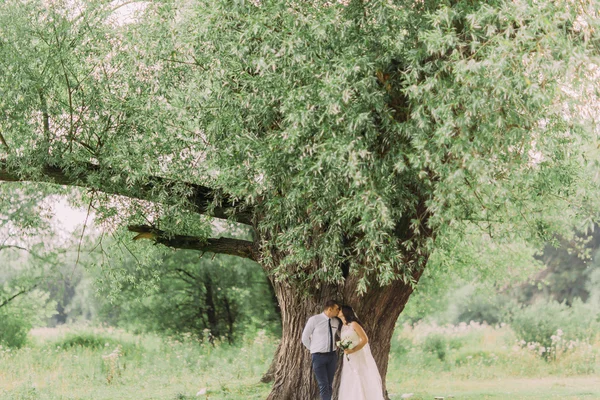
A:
[(360, 378)]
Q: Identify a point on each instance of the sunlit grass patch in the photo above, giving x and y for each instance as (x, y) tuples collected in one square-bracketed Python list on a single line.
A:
[(479, 362), (77, 364)]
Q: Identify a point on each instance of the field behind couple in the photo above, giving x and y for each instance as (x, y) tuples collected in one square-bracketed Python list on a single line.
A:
[(464, 361)]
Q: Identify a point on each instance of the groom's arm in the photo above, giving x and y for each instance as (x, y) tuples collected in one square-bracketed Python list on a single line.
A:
[(307, 333)]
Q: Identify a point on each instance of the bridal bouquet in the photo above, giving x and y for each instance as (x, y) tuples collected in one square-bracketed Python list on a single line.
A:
[(345, 344)]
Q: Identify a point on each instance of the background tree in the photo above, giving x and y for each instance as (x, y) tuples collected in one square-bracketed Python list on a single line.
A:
[(352, 140), (31, 254), (569, 268), (211, 299)]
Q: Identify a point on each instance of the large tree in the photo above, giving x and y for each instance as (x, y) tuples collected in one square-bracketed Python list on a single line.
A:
[(348, 139)]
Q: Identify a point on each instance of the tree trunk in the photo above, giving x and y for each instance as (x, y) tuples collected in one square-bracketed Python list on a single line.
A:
[(211, 310), (269, 376), (378, 310), (294, 378)]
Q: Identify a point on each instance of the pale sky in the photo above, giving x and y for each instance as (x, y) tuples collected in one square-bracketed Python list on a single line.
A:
[(68, 219)]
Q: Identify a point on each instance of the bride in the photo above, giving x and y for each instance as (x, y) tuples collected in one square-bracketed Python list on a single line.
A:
[(360, 377)]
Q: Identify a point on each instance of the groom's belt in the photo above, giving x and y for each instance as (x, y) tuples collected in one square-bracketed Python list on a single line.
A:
[(326, 353)]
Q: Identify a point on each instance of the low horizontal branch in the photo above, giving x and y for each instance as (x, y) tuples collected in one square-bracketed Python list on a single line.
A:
[(201, 197), (232, 247)]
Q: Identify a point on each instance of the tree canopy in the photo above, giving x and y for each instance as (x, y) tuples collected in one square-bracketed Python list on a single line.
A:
[(345, 131)]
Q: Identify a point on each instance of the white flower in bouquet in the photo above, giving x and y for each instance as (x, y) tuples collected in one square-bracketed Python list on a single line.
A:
[(344, 345)]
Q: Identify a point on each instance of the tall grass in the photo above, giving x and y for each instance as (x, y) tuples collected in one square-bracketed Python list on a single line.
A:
[(468, 361), (77, 364), (426, 356)]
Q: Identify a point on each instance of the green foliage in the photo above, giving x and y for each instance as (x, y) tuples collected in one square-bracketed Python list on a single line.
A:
[(470, 265), (24, 209), (14, 329), (94, 341), (477, 353), (364, 136), (437, 345), (212, 299), (569, 265), (21, 314), (486, 306), (36, 270), (545, 323), (409, 105), (49, 266), (499, 285), (481, 309), (399, 348), (85, 340), (441, 344)]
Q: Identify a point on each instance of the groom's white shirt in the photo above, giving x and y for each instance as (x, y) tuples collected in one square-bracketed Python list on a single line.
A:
[(315, 337)]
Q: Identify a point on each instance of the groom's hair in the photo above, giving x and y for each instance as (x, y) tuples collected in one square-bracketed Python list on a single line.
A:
[(330, 303)]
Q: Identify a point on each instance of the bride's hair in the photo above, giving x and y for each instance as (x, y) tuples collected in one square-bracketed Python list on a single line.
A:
[(350, 315)]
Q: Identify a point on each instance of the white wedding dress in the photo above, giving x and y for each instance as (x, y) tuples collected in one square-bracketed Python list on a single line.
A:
[(360, 377)]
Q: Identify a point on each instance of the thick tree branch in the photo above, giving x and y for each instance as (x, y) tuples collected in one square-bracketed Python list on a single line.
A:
[(201, 198), (233, 247)]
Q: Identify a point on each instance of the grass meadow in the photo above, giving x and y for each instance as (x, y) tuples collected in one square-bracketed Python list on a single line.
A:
[(462, 362)]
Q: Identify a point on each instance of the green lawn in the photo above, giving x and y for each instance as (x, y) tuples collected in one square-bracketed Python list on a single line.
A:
[(508, 388)]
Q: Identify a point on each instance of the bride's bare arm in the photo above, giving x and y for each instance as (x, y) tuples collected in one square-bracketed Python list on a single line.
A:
[(361, 335)]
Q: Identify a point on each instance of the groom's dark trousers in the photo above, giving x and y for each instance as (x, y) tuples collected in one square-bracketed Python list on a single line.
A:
[(324, 366)]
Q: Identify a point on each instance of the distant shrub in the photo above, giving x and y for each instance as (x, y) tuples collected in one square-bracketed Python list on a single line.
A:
[(440, 344), (545, 324), (13, 328), (95, 342), (400, 347), (437, 345), (87, 340), (21, 314), (492, 309)]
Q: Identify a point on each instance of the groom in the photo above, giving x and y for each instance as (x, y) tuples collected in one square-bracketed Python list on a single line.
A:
[(319, 337)]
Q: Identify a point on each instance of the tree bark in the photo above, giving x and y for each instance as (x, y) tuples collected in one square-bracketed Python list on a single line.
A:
[(294, 378), (378, 310), (269, 376), (223, 245)]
